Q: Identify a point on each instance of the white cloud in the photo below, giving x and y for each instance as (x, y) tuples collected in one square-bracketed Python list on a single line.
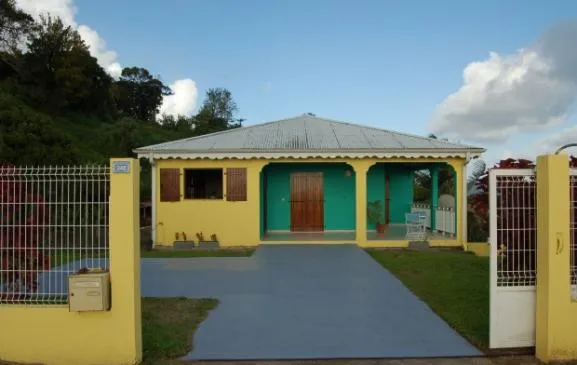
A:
[(114, 70), (552, 142), (183, 99), (506, 95), (97, 46), (64, 9)]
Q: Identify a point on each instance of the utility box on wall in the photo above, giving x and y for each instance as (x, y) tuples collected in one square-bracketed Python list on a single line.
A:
[(89, 291)]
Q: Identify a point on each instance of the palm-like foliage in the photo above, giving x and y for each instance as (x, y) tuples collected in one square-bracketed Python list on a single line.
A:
[(478, 169)]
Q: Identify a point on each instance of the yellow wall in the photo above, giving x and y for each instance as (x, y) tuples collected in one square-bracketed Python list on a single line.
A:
[(53, 335), (556, 320), (238, 223), (234, 223), (479, 248)]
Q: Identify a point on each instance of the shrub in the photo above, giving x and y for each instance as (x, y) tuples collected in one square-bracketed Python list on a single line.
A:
[(23, 216)]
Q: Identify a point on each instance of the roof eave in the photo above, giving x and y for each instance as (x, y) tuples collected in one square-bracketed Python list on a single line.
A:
[(148, 153), (256, 150)]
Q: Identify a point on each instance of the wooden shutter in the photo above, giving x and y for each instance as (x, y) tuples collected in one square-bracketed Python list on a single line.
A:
[(236, 184), (169, 185)]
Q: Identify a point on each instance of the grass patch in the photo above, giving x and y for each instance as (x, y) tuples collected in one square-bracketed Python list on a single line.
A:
[(454, 284), (168, 325), (63, 257), (244, 252)]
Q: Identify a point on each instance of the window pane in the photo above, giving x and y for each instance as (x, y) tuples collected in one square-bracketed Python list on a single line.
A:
[(203, 183)]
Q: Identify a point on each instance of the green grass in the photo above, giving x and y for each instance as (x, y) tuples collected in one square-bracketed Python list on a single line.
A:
[(63, 257), (58, 258), (242, 252), (454, 284), (168, 325)]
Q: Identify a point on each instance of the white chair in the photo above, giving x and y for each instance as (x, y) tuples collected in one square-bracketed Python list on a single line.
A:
[(415, 224)]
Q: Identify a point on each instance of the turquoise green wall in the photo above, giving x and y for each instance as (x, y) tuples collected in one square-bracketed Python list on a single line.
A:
[(339, 190), (401, 181), (262, 204), (376, 187), (401, 189)]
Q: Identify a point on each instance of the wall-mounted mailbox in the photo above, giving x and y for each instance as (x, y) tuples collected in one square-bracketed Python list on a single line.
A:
[(89, 291)]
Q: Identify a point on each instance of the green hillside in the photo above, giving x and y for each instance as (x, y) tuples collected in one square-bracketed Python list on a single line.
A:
[(58, 106)]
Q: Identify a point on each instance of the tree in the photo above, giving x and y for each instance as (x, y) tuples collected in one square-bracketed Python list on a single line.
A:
[(181, 123), (58, 71), (124, 135), (138, 94), (218, 112), (480, 200), (15, 25), (28, 137), (478, 168), (24, 215)]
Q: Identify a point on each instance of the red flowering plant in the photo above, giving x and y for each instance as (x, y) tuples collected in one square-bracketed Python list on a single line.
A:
[(480, 200), (23, 215)]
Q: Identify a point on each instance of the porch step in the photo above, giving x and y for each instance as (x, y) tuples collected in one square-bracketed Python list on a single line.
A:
[(419, 245)]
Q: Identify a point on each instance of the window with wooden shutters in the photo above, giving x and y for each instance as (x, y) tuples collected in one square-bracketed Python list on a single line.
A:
[(169, 185), (203, 183), (236, 184)]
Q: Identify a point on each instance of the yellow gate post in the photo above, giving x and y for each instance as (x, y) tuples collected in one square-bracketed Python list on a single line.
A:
[(125, 254), (556, 313)]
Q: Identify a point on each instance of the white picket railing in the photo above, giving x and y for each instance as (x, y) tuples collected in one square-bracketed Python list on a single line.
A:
[(445, 218)]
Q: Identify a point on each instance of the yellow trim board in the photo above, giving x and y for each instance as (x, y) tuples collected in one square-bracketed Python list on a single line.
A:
[(479, 248)]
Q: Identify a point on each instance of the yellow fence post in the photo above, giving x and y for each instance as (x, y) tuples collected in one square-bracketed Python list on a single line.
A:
[(125, 251), (556, 313)]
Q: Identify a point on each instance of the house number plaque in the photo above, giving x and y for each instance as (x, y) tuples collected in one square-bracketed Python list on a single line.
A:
[(121, 167)]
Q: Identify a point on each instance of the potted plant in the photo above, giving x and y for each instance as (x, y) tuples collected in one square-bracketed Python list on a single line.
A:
[(375, 215), (181, 242), (211, 243)]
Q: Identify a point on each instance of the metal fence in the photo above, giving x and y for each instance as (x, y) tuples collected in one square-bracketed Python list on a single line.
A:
[(573, 230), (445, 218), (53, 221), (516, 228)]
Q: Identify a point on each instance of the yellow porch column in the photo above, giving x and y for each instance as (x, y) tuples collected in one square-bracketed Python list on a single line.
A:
[(556, 313), (124, 234), (361, 167), (460, 199)]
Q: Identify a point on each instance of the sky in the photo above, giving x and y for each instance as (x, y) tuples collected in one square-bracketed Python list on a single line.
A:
[(495, 74)]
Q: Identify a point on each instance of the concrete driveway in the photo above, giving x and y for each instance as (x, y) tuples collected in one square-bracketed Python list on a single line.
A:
[(303, 302)]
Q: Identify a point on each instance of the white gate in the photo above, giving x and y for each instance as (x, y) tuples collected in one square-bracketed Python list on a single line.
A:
[(513, 222)]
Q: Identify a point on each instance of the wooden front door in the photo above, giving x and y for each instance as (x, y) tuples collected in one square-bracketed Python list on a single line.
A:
[(307, 202)]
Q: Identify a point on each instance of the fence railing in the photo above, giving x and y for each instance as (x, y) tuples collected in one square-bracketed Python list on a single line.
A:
[(53, 222), (445, 218)]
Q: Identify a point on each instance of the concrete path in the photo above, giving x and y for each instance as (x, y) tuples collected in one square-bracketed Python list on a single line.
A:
[(508, 360), (303, 302)]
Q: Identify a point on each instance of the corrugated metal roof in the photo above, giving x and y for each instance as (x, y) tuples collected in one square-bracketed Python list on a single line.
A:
[(306, 133)]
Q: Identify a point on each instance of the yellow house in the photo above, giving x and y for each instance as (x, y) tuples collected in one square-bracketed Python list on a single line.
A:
[(305, 179)]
